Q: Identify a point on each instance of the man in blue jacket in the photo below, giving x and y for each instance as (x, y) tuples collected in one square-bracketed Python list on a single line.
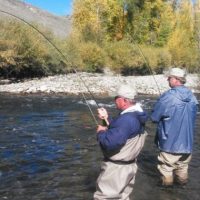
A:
[(121, 141), (175, 112)]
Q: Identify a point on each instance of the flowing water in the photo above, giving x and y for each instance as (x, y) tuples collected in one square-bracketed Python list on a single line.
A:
[(48, 151)]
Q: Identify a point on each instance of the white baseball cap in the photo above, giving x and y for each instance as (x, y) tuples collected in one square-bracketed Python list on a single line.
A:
[(126, 91), (177, 72)]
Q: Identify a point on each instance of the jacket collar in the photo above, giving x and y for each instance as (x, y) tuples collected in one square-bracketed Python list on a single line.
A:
[(136, 107)]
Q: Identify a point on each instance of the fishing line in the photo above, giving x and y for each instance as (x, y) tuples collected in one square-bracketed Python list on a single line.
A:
[(65, 61), (147, 63)]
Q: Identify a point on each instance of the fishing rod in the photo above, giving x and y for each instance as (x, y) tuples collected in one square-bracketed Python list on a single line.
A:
[(65, 61)]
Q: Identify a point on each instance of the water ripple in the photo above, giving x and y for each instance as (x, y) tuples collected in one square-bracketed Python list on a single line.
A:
[(48, 150)]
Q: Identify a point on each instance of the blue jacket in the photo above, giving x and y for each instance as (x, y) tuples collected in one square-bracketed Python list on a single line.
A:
[(175, 112), (124, 127)]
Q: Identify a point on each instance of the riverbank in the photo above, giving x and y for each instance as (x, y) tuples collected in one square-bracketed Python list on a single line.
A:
[(98, 84)]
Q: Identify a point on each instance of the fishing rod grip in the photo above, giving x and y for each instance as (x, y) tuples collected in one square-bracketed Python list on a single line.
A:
[(105, 122), (103, 115)]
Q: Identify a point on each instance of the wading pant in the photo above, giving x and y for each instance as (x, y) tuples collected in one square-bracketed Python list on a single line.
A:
[(115, 181), (173, 166)]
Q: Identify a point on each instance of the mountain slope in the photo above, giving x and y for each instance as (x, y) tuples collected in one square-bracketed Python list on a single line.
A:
[(60, 26)]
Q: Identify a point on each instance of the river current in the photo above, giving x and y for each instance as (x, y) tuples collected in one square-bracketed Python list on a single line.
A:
[(48, 151)]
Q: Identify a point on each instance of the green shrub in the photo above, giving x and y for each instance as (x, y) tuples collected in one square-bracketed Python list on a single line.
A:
[(158, 58), (122, 54), (26, 53), (93, 57)]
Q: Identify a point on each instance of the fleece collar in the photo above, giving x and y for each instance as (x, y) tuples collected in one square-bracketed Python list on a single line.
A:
[(136, 107)]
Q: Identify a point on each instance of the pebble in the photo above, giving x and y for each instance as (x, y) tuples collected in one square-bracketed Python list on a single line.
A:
[(98, 84)]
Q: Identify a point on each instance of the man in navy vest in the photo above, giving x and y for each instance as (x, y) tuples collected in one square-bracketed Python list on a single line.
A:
[(121, 141)]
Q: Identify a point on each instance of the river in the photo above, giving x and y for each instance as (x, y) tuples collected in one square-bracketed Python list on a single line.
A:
[(48, 151)]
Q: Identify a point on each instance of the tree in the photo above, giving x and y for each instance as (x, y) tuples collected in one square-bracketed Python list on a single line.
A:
[(87, 18), (104, 19), (182, 44), (150, 21)]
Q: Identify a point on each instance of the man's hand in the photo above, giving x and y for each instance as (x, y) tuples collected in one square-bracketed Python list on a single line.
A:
[(102, 113), (101, 128)]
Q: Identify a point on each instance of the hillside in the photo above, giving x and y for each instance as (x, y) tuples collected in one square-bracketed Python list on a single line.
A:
[(59, 25)]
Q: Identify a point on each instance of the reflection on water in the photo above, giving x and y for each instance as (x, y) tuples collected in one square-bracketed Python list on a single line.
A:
[(48, 151)]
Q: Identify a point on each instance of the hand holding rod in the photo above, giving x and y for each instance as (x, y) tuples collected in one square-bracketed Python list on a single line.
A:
[(103, 114)]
